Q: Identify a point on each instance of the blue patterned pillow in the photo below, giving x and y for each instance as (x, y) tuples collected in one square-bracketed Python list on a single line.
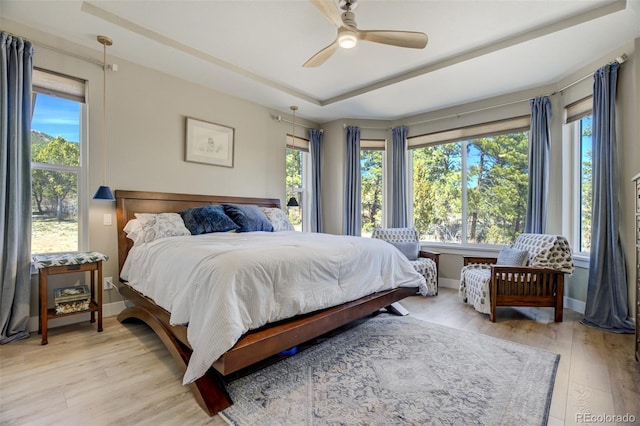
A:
[(207, 219), (248, 217)]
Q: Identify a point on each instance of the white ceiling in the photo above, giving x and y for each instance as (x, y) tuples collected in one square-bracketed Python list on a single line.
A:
[(255, 49)]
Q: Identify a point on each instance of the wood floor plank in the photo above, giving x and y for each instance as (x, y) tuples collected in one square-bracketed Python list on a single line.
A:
[(125, 376)]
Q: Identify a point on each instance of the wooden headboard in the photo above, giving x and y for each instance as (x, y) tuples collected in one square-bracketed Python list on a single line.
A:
[(130, 202)]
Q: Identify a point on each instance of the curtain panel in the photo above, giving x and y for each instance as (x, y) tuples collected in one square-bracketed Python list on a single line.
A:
[(315, 145), (16, 67), (352, 219), (399, 210), (607, 298), (539, 138)]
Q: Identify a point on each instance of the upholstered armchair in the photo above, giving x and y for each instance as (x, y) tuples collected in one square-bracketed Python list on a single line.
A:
[(406, 240), (529, 273)]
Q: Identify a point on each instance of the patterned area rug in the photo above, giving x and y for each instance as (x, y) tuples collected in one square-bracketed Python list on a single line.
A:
[(400, 370)]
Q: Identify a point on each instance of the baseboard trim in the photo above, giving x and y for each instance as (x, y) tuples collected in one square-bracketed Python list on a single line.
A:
[(448, 283), (108, 310), (575, 305)]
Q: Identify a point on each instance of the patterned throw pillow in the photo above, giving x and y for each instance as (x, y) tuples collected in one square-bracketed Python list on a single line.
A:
[(278, 219), (512, 257), (207, 219), (151, 227)]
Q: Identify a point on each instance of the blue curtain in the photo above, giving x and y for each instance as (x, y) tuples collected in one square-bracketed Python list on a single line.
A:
[(606, 306), (399, 210), (352, 220), (16, 65), (315, 143), (539, 137)]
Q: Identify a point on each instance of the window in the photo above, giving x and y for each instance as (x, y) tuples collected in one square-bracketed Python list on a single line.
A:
[(298, 181), (372, 159), (586, 183), (470, 184), (57, 170), (578, 123)]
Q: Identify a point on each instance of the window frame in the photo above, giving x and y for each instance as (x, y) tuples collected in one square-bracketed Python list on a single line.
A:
[(38, 88), (514, 124), (376, 145), (572, 148), (304, 192)]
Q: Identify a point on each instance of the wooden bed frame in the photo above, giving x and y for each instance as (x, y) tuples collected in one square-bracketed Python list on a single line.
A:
[(254, 346)]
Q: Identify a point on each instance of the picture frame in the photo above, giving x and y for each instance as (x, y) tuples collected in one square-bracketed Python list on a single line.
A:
[(209, 143)]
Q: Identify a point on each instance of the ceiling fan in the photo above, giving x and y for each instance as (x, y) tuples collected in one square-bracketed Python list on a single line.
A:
[(349, 34)]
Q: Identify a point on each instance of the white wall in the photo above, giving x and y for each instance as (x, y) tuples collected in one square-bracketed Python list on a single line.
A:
[(333, 168), (146, 135), (508, 106), (146, 116)]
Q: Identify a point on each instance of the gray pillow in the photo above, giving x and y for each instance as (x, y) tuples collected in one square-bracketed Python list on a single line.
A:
[(512, 257), (248, 217), (409, 249)]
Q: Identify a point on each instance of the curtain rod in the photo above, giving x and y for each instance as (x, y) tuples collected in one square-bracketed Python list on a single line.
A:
[(73, 55), (58, 50), (620, 59), (280, 118), (344, 126)]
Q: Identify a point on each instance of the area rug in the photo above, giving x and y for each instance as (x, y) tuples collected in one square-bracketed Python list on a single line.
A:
[(392, 370)]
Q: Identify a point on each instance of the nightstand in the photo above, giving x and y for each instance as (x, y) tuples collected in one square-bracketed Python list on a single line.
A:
[(68, 263)]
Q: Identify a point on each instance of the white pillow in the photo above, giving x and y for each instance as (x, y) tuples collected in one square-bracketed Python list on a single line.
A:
[(134, 231), (148, 227), (278, 219)]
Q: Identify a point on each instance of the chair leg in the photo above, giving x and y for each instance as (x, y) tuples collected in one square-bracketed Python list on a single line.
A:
[(559, 298), (493, 291)]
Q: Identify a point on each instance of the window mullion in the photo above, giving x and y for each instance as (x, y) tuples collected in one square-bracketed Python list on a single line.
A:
[(463, 228), (54, 167)]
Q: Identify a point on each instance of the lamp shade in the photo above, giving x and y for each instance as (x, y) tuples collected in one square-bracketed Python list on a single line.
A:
[(104, 193), (292, 202)]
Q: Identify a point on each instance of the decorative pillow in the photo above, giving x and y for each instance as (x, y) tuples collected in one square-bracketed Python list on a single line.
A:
[(134, 231), (155, 226), (207, 219), (248, 217), (278, 219), (512, 257), (409, 249)]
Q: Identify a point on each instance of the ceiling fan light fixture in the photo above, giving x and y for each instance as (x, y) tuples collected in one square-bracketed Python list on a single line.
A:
[(347, 39)]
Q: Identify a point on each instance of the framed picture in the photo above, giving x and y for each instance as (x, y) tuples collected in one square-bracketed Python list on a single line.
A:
[(209, 143)]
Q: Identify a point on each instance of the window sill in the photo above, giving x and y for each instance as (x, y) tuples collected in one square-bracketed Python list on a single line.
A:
[(462, 250), (581, 260)]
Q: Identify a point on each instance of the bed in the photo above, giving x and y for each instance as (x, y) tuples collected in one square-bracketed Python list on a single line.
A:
[(261, 340)]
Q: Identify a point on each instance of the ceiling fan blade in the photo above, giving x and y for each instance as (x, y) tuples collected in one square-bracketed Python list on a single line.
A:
[(411, 39), (320, 57), (330, 10)]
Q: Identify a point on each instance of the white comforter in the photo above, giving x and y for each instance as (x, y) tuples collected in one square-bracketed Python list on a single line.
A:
[(224, 284)]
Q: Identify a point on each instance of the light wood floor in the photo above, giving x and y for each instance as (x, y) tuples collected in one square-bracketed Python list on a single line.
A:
[(125, 376)]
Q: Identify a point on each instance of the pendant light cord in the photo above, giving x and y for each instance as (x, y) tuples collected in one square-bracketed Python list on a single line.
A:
[(104, 114), (105, 41)]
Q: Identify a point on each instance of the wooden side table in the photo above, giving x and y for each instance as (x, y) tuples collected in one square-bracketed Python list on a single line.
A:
[(67, 263)]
